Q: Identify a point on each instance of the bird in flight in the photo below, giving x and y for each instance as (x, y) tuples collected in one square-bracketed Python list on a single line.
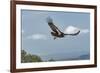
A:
[(56, 32)]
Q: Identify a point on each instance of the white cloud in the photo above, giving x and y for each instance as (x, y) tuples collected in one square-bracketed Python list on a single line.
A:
[(72, 30), (84, 30), (37, 37)]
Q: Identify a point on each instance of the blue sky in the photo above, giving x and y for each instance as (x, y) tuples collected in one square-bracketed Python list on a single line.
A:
[(36, 37)]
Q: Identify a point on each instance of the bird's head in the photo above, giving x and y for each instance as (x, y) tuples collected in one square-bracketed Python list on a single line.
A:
[(49, 20)]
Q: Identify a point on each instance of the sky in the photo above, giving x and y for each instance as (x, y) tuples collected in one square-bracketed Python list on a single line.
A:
[(37, 38)]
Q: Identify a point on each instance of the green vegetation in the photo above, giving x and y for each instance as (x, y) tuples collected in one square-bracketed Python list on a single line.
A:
[(25, 57)]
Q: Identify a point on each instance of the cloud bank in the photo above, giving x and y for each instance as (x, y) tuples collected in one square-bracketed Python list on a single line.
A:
[(37, 37), (72, 30), (68, 30), (84, 30)]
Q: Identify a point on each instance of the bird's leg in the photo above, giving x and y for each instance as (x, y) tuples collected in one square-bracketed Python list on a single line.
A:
[(54, 38)]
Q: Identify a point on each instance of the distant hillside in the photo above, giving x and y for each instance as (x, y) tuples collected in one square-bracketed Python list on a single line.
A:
[(66, 57), (86, 56)]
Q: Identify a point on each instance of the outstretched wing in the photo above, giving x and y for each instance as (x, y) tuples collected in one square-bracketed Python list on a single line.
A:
[(74, 33), (52, 26)]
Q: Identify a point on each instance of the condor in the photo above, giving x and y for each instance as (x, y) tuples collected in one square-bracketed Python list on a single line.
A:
[(56, 32)]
